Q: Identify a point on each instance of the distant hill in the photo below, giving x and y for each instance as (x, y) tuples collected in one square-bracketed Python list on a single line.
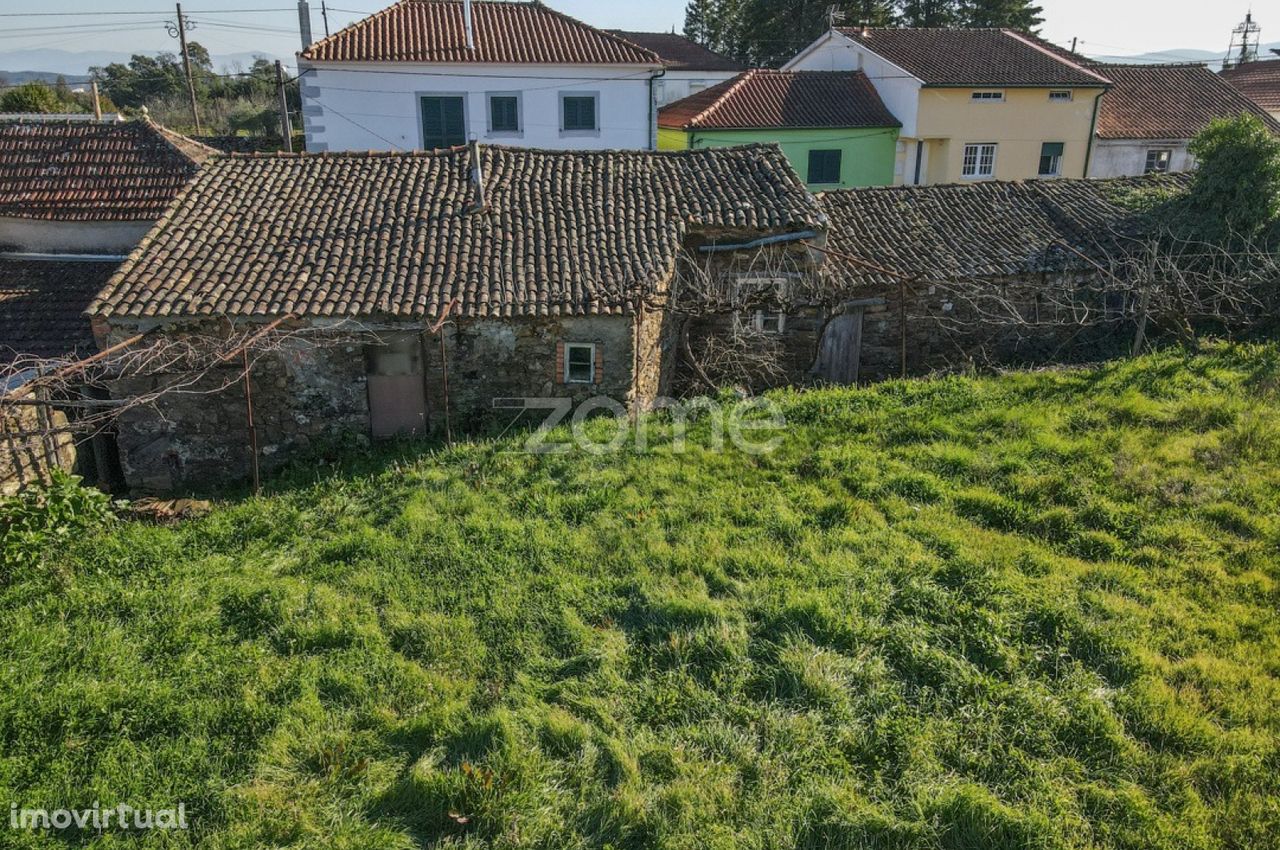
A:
[(17, 78), (1213, 58)]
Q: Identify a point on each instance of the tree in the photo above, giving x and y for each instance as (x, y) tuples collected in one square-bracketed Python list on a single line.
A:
[(1235, 190), (38, 98), (931, 13), (1015, 14)]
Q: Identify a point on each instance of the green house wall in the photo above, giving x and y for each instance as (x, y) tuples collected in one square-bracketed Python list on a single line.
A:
[(867, 156)]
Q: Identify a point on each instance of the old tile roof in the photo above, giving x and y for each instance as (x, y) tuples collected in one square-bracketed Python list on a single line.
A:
[(974, 57), (395, 234), (781, 99), (980, 230), (504, 32), (42, 305), (1258, 81), (1168, 102), (679, 53), (90, 171)]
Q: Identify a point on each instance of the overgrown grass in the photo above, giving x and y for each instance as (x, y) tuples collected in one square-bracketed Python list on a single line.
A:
[(1034, 611)]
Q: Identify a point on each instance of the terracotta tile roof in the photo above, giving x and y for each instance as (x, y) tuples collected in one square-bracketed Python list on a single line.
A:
[(565, 232), (42, 306), (507, 33), (1258, 81), (981, 230), (781, 99), (1168, 102), (974, 57), (88, 171), (679, 53)]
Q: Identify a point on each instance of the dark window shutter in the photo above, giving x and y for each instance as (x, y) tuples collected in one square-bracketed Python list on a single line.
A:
[(599, 364), (824, 166), (559, 362), (442, 122)]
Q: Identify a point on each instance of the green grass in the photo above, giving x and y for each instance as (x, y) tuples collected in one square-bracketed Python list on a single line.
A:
[(1032, 611)]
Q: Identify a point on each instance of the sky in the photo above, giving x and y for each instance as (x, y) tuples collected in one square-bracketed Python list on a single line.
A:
[(1104, 27)]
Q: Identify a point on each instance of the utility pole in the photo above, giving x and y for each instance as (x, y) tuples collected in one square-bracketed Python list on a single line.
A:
[(285, 130), (324, 13), (97, 103), (1074, 39), (180, 32)]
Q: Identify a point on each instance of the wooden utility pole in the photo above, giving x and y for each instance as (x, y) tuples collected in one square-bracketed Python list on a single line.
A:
[(186, 65), (97, 102), (324, 13), (285, 129)]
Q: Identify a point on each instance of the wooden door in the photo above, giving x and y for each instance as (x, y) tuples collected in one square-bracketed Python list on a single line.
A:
[(840, 351)]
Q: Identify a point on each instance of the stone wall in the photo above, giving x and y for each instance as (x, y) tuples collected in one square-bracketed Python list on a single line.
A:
[(25, 460)]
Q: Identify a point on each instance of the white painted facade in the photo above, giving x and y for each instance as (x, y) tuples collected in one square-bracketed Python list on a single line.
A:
[(899, 90), (1128, 157), (378, 105), (677, 85)]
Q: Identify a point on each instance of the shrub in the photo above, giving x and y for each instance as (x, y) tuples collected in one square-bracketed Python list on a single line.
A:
[(41, 517)]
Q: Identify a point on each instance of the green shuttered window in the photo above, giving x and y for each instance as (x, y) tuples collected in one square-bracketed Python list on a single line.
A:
[(443, 123)]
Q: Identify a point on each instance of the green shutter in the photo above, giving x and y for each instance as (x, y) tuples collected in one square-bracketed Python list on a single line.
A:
[(442, 122)]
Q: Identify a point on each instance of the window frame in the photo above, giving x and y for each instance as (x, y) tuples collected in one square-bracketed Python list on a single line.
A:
[(569, 347), (759, 317), (978, 146), (1057, 159), (839, 165), (495, 133), (987, 96), (1061, 96), (1168, 161), (594, 96), (422, 127)]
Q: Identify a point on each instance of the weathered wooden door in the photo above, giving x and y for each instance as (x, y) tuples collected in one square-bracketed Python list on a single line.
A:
[(397, 392), (840, 351)]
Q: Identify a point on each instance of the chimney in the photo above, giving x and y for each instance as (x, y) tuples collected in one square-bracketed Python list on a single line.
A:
[(477, 177), (467, 23), (304, 22)]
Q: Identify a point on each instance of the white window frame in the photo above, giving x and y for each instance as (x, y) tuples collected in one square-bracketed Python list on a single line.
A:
[(594, 95), (517, 133), (568, 360), (978, 148), (759, 318), (987, 96), (1168, 161), (1057, 161), (1061, 96)]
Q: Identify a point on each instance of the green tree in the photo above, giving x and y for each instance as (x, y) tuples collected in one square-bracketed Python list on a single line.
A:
[(1235, 189), (36, 97), (931, 13), (1016, 14)]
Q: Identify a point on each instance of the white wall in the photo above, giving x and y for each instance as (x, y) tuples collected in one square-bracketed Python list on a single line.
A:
[(71, 237), (1128, 158), (677, 85), (375, 106), (899, 90)]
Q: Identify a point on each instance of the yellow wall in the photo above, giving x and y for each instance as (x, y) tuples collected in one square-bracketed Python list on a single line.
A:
[(1026, 118), (670, 139)]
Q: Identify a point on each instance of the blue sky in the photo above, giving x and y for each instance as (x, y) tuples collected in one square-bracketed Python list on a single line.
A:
[(1104, 26)]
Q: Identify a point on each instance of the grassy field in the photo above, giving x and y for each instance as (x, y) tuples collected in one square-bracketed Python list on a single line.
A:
[(1033, 611)]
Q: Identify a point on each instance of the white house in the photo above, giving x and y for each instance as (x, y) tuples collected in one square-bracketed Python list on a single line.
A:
[(1152, 112), (426, 74), (690, 67)]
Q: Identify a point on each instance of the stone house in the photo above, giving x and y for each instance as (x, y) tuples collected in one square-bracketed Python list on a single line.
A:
[(919, 259), (76, 195), (407, 287), (1151, 113)]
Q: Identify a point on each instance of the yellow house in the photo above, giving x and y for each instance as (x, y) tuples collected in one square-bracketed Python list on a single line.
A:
[(975, 104)]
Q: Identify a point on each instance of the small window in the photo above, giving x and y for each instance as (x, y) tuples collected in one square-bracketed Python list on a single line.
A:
[(579, 363), (824, 166), (766, 322), (988, 96), (1051, 159), (504, 113), (1158, 161), (578, 113), (1064, 95), (979, 161)]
